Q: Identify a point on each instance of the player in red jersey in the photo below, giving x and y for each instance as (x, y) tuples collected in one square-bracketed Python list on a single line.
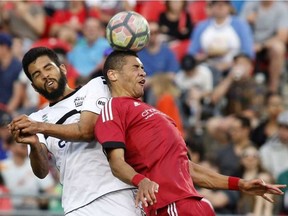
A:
[(145, 148)]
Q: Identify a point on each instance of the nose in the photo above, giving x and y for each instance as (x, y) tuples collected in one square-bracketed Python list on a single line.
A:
[(44, 74), (143, 73)]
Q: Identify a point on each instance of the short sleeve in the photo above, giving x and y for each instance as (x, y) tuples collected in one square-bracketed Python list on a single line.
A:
[(110, 127), (97, 95)]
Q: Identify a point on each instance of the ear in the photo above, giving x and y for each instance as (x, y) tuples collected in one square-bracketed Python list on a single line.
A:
[(63, 69), (112, 75)]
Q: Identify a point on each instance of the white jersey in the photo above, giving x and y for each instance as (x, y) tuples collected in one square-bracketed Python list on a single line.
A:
[(84, 170)]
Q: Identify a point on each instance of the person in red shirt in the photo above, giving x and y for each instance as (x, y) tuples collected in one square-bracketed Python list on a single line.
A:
[(145, 148)]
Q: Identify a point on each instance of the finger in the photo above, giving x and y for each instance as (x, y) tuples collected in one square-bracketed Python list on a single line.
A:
[(144, 201), (274, 189), (156, 188), (137, 200), (263, 182), (268, 198), (153, 198), (149, 197)]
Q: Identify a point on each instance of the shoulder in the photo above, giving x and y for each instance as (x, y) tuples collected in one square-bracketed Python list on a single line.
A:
[(96, 82), (270, 144), (203, 24), (238, 21)]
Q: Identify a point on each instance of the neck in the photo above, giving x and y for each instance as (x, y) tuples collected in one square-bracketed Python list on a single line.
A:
[(19, 161), (67, 91), (220, 20)]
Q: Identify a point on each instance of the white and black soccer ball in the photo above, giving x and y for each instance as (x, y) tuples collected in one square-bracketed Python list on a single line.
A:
[(128, 30)]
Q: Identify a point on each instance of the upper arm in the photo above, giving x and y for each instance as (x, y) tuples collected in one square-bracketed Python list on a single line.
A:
[(87, 123)]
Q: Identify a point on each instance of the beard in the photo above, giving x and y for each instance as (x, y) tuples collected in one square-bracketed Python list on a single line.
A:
[(57, 93)]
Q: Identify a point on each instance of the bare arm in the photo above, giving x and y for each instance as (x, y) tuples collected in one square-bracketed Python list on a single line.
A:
[(82, 130), (37, 21), (221, 89), (17, 97), (38, 155), (126, 173), (207, 178)]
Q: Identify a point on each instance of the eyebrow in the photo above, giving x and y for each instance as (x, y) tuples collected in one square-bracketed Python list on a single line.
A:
[(138, 65)]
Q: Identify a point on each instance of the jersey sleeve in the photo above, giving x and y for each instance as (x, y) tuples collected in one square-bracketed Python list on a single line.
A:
[(96, 96), (110, 126)]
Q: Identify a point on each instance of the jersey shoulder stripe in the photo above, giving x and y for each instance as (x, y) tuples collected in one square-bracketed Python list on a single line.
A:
[(63, 118), (107, 113)]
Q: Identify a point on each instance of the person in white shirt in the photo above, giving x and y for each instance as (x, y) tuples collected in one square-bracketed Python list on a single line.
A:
[(66, 129)]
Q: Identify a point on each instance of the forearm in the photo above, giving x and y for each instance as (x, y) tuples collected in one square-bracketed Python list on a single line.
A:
[(39, 160), (37, 23), (122, 170), (71, 132), (207, 178), (221, 89)]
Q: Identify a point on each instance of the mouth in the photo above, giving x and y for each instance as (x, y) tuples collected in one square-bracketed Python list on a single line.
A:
[(142, 82), (49, 83)]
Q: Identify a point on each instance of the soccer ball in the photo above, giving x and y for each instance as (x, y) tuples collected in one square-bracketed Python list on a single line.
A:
[(128, 30)]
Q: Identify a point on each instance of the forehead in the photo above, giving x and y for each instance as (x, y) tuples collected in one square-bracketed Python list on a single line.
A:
[(39, 63), (133, 60)]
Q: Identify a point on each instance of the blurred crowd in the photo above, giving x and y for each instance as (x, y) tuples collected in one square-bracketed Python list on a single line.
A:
[(218, 68)]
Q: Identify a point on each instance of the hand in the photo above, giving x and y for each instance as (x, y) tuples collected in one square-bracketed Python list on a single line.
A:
[(260, 188), (25, 138), (25, 125), (258, 47), (146, 192)]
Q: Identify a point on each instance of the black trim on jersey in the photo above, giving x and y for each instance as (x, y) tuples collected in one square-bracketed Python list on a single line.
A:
[(112, 145), (63, 118), (104, 80), (70, 94)]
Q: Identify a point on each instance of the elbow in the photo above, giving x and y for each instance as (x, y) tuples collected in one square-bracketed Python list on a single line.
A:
[(41, 174), (88, 137)]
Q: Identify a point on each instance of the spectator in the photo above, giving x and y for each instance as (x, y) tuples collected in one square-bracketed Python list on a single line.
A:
[(250, 169), (167, 98), (26, 20), (23, 185), (5, 119), (270, 29), (239, 132), (239, 78), (105, 9), (175, 22), (5, 202), (157, 56), (274, 152), (196, 82), (224, 202), (10, 68), (283, 178), (219, 38), (73, 16), (24, 97), (268, 126), (89, 50)]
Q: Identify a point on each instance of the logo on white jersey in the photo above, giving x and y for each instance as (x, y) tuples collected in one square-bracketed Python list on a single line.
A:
[(101, 102), (79, 101), (136, 104), (45, 118)]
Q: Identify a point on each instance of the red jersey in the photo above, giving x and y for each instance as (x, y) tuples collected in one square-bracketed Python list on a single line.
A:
[(154, 146)]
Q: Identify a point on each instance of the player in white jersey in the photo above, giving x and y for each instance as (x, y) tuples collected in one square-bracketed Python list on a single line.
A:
[(89, 188)]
